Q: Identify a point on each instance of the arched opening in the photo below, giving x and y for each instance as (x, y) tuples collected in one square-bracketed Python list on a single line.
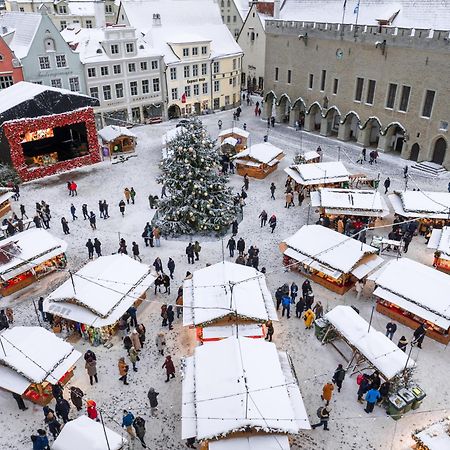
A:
[(333, 117), (297, 114), (373, 128), (283, 109), (269, 101), (440, 148), (415, 149), (350, 127), (174, 112), (315, 115), (395, 138)]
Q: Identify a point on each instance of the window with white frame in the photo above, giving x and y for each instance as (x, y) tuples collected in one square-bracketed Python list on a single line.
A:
[(44, 62), (61, 61), (186, 71), (131, 67), (114, 49), (194, 51), (196, 89), (204, 69), (144, 65), (234, 63), (91, 72), (155, 84), (107, 92), (63, 24), (74, 84), (109, 9), (145, 86), (187, 91), (104, 71), (216, 67), (155, 64), (88, 23), (93, 92), (117, 69), (6, 81), (62, 9), (205, 88), (173, 73), (204, 50), (56, 83), (216, 85), (174, 94), (130, 47), (133, 88), (185, 52), (119, 90), (195, 70)]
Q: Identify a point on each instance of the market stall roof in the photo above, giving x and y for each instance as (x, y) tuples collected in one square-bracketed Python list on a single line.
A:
[(4, 196), (230, 141), (253, 442), (435, 436), (327, 250), (85, 433), (172, 134), (308, 156), (440, 240), (112, 132), (101, 291), (375, 346), (225, 289), (264, 153), (367, 203), (24, 251), (235, 130), (247, 380), (33, 355), (226, 331), (318, 173), (414, 287), (421, 204)]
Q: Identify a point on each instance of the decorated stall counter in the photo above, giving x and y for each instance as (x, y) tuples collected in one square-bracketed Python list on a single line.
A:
[(413, 293), (225, 298), (329, 258), (46, 130), (27, 257), (259, 160), (32, 359), (440, 240), (219, 379), (117, 139), (94, 298), (233, 140)]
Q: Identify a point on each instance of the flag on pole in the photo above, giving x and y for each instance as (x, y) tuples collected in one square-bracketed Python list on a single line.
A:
[(183, 98), (345, 4), (356, 10)]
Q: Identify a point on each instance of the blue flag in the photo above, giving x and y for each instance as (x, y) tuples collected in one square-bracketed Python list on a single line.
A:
[(356, 10)]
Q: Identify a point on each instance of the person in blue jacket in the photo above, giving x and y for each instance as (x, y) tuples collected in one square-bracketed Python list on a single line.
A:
[(40, 442), (371, 398), (127, 422), (286, 303)]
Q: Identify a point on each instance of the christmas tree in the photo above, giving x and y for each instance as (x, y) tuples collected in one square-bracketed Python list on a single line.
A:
[(200, 201)]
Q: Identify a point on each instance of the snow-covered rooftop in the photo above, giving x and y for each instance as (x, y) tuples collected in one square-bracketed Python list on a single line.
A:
[(432, 14), (318, 173), (312, 154), (112, 132), (33, 355), (104, 289), (81, 8), (246, 380), (255, 442), (435, 436), (85, 433), (345, 201), (264, 153), (440, 240), (31, 248), (172, 134), (226, 289), (5, 196), (376, 347), (326, 246), (236, 131), (417, 288), (243, 7), (421, 204)]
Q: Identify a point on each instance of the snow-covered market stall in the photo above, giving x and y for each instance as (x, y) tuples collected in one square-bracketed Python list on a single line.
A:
[(28, 256), (433, 437), (246, 380), (313, 176), (329, 258), (432, 209), (46, 130), (32, 359), (259, 160), (413, 293), (253, 442), (440, 240), (5, 202), (336, 204), (233, 140), (227, 299), (117, 139), (169, 136), (93, 299), (308, 157), (85, 433)]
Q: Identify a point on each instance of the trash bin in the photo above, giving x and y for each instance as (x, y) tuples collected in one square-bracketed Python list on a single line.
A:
[(320, 328), (408, 398), (419, 395), (396, 406)]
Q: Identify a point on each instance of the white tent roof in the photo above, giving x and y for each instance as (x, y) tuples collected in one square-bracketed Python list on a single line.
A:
[(432, 205), (5, 196), (33, 355), (421, 290), (435, 436), (376, 347), (230, 141), (235, 130), (440, 240), (104, 289), (85, 433), (112, 132), (312, 154), (34, 246), (318, 173), (321, 244), (264, 152), (221, 376), (345, 201), (172, 134), (255, 442), (224, 289)]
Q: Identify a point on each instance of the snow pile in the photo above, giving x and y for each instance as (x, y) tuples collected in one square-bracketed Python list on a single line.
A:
[(226, 289), (112, 132), (33, 355), (256, 442), (318, 173), (435, 205), (440, 240), (377, 348), (264, 153)]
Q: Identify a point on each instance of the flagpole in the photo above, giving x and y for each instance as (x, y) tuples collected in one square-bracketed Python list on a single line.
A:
[(357, 16), (343, 17)]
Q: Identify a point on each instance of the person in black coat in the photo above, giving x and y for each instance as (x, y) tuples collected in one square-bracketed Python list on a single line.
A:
[(339, 376), (306, 288), (402, 343), (57, 391), (384, 391), (65, 225), (231, 245), (20, 403), (278, 297), (166, 283), (127, 343), (375, 381), (240, 246), (299, 308), (170, 316), (90, 247), (90, 354), (76, 396), (235, 228), (62, 409), (98, 247), (139, 427), (171, 267), (419, 334), (153, 399), (190, 253)]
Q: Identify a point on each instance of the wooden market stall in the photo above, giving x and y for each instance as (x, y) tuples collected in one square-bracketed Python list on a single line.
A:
[(28, 256), (249, 441), (309, 157), (431, 209), (259, 160), (233, 140), (413, 293), (329, 258), (117, 139), (5, 202), (433, 437), (220, 376), (32, 360), (440, 240), (93, 299), (227, 299)]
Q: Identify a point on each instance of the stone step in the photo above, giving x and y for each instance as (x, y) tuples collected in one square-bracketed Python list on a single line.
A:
[(429, 168)]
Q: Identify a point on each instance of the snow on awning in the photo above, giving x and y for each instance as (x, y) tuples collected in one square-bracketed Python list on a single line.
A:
[(221, 332), (367, 267), (263, 153), (236, 131), (112, 132), (36, 246), (225, 289), (85, 433), (434, 436), (5, 196), (377, 348), (172, 134), (308, 156), (230, 141), (239, 383), (255, 442), (440, 240), (33, 355), (104, 289), (246, 162), (318, 173), (421, 204)]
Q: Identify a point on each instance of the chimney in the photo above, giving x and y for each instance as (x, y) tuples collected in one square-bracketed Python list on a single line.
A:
[(99, 14), (156, 20), (276, 9)]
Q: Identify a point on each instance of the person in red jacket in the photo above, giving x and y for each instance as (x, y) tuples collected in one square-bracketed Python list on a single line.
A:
[(170, 368), (73, 188), (92, 410)]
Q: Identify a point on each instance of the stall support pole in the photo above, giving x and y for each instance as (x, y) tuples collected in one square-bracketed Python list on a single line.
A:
[(104, 430), (37, 313), (371, 316)]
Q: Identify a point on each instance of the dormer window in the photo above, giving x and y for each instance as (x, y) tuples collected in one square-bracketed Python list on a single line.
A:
[(185, 52), (204, 50), (62, 9)]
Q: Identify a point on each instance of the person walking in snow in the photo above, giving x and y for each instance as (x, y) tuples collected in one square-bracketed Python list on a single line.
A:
[(166, 283), (372, 397), (98, 247), (147, 234), (139, 428), (170, 316), (263, 217), (294, 291), (286, 303), (52, 422), (91, 368), (234, 227), (324, 415), (327, 392), (197, 250), (91, 409), (101, 209), (419, 335), (273, 222), (190, 253), (272, 191), (136, 342), (157, 264), (270, 330), (309, 317), (339, 376), (135, 250), (240, 246), (93, 221), (231, 246), (122, 208), (134, 357), (122, 247), (65, 225), (127, 423), (160, 343), (246, 182), (76, 396), (387, 183), (153, 399), (127, 194), (123, 370), (90, 247), (84, 210), (62, 409), (171, 267), (157, 235), (105, 210), (391, 328), (73, 188), (132, 195), (170, 368), (40, 442), (73, 210)]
